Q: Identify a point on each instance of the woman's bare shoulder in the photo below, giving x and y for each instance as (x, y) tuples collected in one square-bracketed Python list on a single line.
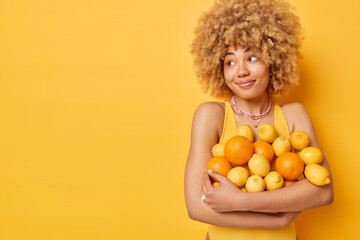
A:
[(296, 115), (210, 116), (294, 108), (211, 109)]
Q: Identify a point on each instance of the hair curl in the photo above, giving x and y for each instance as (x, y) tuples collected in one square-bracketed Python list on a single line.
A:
[(269, 27)]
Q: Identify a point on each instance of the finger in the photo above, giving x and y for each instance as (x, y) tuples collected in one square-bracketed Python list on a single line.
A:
[(217, 175), (206, 175), (204, 191), (207, 182)]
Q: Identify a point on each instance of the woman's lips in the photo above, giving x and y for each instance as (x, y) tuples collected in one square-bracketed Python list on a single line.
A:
[(246, 84)]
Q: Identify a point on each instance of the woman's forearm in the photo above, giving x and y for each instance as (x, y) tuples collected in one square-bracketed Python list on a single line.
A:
[(242, 219), (298, 197)]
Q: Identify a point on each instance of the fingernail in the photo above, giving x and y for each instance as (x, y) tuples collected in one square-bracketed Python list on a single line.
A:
[(209, 171)]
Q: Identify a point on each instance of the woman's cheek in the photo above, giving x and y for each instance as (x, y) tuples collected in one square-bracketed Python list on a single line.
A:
[(229, 75)]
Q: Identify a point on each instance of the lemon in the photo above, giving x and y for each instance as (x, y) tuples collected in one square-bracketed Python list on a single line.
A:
[(281, 145), (274, 181), (215, 184), (299, 140), (317, 174), (243, 189), (238, 175), (255, 183), (259, 165), (218, 150), (311, 155), (267, 133), (246, 131)]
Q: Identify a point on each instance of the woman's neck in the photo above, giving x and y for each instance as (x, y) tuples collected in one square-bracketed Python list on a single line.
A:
[(253, 106)]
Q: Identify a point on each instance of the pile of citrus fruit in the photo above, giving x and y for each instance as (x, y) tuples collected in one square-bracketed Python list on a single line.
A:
[(270, 163)]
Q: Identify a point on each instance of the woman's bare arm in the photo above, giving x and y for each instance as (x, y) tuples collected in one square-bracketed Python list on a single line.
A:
[(207, 124)]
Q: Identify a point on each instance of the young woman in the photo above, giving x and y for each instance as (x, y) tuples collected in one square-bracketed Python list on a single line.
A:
[(246, 52)]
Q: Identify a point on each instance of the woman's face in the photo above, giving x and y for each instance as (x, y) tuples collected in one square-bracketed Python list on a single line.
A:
[(246, 75)]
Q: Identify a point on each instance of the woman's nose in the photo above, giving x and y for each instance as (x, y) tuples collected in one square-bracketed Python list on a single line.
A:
[(243, 70)]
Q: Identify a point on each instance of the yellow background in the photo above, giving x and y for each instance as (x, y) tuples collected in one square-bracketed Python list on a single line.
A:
[(96, 104)]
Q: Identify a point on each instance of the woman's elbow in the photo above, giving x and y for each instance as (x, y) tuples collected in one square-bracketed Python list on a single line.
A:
[(329, 199), (192, 214), (193, 211), (327, 196), (196, 213)]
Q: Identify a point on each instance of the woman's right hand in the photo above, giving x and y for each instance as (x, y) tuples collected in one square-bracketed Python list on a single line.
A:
[(223, 198)]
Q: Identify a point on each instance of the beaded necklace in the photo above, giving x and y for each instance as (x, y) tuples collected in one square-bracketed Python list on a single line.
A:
[(249, 115)]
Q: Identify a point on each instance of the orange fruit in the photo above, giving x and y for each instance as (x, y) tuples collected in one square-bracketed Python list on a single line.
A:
[(220, 165), (238, 150), (265, 149), (288, 182), (289, 165)]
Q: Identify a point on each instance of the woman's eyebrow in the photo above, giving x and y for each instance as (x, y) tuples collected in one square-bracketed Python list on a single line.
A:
[(231, 53)]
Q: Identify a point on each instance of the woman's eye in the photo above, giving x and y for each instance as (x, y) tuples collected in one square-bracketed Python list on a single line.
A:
[(230, 63), (253, 58)]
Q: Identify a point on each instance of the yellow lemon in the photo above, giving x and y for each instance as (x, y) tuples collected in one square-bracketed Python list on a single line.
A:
[(317, 174), (255, 183), (311, 155), (299, 140), (246, 131), (238, 175), (267, 133), (243, 189), (259, 165), (218, 150), (215, 184), (273, 181), (281, 145)]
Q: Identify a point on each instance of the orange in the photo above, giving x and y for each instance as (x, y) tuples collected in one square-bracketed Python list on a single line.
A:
[(238, 150), (289, 165), (220, 165), (265, 149), (288, 182)]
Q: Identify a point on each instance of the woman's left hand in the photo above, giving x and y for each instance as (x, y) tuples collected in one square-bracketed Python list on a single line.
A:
[(223, 198)]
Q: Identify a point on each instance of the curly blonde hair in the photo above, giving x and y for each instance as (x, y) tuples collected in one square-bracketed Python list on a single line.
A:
[(268, 27)]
